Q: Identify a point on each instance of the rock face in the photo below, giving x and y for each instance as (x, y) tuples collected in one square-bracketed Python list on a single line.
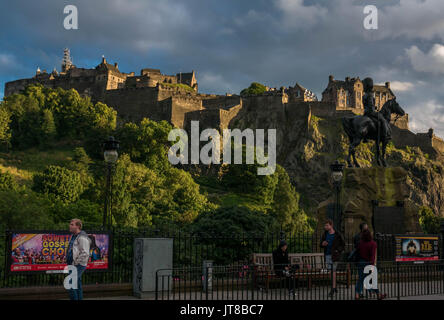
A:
[(388, 186), (308, 142)]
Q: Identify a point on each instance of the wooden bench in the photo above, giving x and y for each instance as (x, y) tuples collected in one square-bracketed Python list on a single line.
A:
[(311, 267)]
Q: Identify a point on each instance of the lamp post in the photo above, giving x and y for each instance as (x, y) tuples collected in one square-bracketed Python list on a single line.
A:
[(110, 155), (337, 169)]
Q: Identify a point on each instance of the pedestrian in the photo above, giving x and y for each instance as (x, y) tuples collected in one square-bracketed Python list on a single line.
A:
[(282, 267), (353, 257), (362, 226), (367, 256), (78, 255), (333, 244)]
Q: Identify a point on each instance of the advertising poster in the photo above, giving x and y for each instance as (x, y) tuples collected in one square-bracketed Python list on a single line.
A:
[(47, 251), (417, 248)]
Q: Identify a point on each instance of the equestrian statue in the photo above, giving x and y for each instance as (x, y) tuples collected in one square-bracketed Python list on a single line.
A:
[(373, 125)]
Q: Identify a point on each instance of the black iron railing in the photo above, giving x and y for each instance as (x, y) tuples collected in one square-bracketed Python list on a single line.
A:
[(247, 282), (189, 250)]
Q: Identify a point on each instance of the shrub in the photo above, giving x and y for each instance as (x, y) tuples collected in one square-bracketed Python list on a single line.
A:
[(63, 183)]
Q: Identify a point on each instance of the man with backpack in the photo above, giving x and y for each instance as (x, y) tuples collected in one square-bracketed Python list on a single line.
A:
[(78, 255)]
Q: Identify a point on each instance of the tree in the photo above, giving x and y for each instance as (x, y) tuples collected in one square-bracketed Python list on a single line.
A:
[(233, 231), (7, 182), (89, 212), (61, 182), (24, 210), (5, 130), (147, 143), (244, 178), (285, 208), (48, 128), (38, 115), (182, 201), (254, 88), (429, 222)]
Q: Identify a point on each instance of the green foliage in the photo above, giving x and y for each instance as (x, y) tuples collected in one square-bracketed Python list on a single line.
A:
[(429, 221), (244, 178), (41, 115), (142, 195), (223, 229), (89, 212), (61, 182), (285, 208), (147, 143), (5, 131), (254, 88), (81, 164), (24, 210), (7, 182)]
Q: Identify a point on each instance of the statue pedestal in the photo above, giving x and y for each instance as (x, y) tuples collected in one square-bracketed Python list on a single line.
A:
[(367, 195)]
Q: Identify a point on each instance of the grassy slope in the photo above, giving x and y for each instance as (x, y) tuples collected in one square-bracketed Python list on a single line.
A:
[(24, 164)]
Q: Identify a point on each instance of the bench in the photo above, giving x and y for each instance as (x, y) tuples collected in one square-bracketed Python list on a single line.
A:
[(311, 267)]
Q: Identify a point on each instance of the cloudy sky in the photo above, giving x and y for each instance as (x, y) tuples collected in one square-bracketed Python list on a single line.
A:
[(232, 43)]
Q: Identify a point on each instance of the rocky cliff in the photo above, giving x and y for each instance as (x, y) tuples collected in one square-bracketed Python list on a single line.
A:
[(307, 145)]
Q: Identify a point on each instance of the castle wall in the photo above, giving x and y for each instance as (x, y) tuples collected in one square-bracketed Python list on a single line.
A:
[(438, 144), (298, 110), (322, 109), (134, 104), (428, 144), (83, 84), (17, 86), (269, 102), (401, 122), (224, 102), (226, 116), (180, 106), (167, 91), (208, 119)]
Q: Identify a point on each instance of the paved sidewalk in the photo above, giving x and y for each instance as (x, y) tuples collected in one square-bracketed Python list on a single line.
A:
[(430, 297)]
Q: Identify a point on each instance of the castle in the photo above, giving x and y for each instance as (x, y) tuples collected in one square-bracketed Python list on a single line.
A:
[(175, 98)]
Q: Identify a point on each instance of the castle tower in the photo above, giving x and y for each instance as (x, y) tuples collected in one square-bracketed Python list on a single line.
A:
[(67, 62)]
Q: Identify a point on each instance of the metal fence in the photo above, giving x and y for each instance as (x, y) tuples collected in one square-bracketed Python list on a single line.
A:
[(246, 282), (189, 250)]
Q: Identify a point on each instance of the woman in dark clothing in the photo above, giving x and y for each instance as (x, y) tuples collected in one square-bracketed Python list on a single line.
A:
[(366, 251), (281, 266), (280, 259)]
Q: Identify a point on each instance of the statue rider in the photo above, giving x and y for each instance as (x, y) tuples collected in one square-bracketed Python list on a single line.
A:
[(370, 110)]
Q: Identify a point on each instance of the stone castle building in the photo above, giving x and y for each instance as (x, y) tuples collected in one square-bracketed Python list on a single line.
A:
[(348, 94), (175, 98)]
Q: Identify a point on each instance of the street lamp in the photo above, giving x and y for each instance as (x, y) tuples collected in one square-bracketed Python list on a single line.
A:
[(110, 155), (337, 169)]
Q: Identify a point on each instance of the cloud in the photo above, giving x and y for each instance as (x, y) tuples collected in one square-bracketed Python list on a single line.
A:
[(412, 19), (297, 15), (424, 120), (432, 61), (400, 86), (232, 43)]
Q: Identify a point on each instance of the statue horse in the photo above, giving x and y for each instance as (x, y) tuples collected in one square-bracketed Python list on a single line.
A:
[(363, 127)]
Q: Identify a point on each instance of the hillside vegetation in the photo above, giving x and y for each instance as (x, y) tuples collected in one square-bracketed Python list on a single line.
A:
[(52, 170)]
